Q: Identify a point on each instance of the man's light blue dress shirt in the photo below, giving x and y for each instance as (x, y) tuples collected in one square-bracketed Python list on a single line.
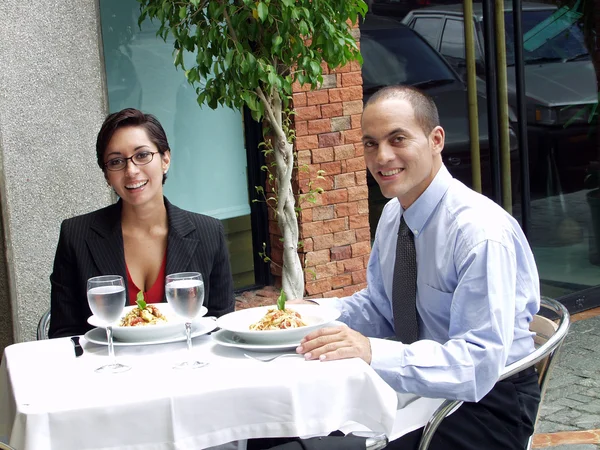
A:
[(477, 291)]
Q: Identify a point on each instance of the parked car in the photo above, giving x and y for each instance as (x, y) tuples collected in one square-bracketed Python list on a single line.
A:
[(399, 8), (394, 54), (560, 81)]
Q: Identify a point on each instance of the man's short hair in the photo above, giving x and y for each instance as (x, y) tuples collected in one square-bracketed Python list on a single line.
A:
[(425, 110)]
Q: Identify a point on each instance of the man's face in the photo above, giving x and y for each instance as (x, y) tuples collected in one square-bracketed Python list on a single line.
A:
[(401, 158)]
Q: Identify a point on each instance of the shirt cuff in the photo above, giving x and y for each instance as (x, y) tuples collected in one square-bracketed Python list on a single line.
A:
[(382, 351)]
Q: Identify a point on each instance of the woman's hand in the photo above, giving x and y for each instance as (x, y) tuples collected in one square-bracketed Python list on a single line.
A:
[(333, 343)]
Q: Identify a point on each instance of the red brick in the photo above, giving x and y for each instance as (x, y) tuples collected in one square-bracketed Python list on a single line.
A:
[(355, 66), (350, 265), (353, 107), (350, 290), (344, 238), (307, 113), (326, 270), (355, 165), (318, 287), (341, 281), (346, 209), (332, 110), (361, 248), (341, 253), (299, 99), (345, 94), (355, 120), (336, 196), (352, 79), (345, 180), (358, 193), (297, 88), (341, 69), (318, 201), (338, 79), (325, 183), (317, 97), (359, 149), (352, 136), (359, 276), (306, 142), (307, 244), (363, 206), (334, 225), (331, 168), (318, 126), (312, 229), (323, 242), (324, 68), (301, 127), (306, 215), (304, 157), (334, 293), (359, 221), (308, 171), (361, 177), (366, 260), (330, 139), (363, 234), (344, 152), (317, 257), (321, 155), (323, 212)]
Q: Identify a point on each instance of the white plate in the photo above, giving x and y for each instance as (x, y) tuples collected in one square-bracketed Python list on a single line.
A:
[(172, 328), (229, 339), (238, 322), (200, 327)]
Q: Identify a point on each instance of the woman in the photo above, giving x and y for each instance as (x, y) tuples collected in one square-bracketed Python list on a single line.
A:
[(142, 237)]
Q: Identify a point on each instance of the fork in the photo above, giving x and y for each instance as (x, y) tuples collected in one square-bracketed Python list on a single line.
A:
[(269, 358)]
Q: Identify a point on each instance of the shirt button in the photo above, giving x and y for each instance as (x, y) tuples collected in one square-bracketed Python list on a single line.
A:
[(416, 232)]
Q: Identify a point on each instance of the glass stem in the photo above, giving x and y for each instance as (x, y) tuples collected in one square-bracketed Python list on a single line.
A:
[(111, 349), (188, 334)]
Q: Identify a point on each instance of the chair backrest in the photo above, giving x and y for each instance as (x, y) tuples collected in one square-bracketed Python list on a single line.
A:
[(549, 336), (43, 325)]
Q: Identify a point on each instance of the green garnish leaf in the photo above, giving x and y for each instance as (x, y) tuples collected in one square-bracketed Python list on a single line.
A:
[(140, 300), (281, 301)]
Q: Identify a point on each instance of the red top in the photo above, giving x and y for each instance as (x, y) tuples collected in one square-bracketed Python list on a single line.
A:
[(156, 293)]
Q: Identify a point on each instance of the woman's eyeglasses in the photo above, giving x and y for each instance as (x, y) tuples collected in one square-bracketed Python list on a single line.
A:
[(139, 159)]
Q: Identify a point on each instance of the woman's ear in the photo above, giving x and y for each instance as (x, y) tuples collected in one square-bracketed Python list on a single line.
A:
[(166, 160)]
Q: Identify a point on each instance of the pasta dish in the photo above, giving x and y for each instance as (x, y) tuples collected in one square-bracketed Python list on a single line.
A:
[(276, 319), (137, 317)]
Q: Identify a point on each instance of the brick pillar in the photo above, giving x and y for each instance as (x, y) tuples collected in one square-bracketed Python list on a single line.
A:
[(334, 230)]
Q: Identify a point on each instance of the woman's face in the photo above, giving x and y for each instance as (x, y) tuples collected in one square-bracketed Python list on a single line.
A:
[(135, 184)]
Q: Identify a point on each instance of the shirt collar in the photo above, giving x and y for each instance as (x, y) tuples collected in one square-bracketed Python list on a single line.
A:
[(418, 213)]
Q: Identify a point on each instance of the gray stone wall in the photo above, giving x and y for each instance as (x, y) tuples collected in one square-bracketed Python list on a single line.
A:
[(52, 103)]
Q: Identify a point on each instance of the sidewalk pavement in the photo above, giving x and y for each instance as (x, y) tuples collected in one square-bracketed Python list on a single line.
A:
[(570, 412)]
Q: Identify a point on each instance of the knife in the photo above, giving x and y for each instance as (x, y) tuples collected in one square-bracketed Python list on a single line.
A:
[(78, 348)]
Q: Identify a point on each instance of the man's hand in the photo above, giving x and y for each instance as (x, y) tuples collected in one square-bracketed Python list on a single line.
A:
[(335, 343)]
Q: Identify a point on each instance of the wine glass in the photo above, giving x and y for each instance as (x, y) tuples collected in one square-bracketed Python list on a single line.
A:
[(185, 294), (106, 297)]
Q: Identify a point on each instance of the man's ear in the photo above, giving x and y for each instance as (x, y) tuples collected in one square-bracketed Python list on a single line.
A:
[(436, 140)]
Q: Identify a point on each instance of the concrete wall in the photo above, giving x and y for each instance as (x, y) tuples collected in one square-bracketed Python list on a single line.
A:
[(52, 103)]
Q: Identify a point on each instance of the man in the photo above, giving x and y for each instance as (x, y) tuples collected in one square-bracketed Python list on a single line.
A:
[(474, 293)]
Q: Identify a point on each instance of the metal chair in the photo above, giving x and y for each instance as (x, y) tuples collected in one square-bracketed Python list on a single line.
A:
[(549, 336), (43, 327), (4, 446)]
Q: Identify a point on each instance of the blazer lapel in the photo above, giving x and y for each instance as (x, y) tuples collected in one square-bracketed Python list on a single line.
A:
[(106, 242), (180, 247)]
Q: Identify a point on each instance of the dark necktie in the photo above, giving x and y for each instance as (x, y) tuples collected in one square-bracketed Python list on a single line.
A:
[(404, 289)]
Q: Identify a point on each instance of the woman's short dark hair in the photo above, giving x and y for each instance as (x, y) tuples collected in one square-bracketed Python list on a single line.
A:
[(131, 117)]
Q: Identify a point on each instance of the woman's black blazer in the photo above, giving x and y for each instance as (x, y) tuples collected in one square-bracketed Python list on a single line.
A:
[(92, 244)]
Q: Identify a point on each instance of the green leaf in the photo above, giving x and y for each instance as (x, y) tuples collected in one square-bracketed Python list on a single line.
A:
[(281, 300), (289, 3), (140, 300), (182, 12), (263, 11)]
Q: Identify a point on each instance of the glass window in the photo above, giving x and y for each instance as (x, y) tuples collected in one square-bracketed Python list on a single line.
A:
[(453, 40), (429, 28), (208, 158)]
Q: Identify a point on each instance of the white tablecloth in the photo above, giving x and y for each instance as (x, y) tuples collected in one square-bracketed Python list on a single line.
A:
[(51, 400)]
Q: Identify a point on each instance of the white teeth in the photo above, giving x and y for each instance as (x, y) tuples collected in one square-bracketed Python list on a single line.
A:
[(137, 185), (391, 172)]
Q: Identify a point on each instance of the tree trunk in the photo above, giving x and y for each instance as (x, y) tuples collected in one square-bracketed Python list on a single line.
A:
[(292, 275)]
